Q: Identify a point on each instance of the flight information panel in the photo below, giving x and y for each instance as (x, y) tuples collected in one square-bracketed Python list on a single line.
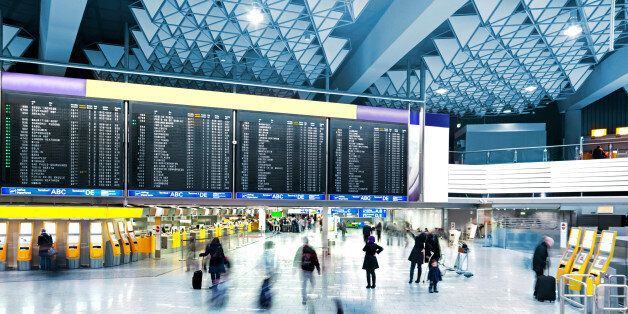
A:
[(62, 146), (280, 157), (368, 161), (180, 151)]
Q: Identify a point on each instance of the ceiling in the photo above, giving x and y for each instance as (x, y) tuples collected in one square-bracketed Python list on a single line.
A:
[(488, 57)]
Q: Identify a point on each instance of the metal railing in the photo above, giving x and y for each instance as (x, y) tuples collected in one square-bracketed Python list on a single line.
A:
[(580, 299), (614, 149), (602, 298)]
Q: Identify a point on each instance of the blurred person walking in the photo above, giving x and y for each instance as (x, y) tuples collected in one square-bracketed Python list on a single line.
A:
[(370, 261), (217, 260), (417, 255), (307, 260), (378, 230)]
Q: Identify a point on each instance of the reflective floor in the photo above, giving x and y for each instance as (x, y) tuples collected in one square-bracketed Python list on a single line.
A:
[(501, 283)]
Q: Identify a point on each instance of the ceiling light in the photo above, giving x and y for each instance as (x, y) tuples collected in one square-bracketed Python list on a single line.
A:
[(458, 125), (507, 111), (441, 91), (255, 16), (223, 60), (530, 89), (574, 30)]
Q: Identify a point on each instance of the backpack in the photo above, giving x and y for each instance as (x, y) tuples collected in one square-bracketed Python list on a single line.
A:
[(307, 259)]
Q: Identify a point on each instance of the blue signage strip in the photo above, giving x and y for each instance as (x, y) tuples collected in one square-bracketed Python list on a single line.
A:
[(368, 198), (280, 196), (61, 192), (345, 211), (373, 213), (179, 194)]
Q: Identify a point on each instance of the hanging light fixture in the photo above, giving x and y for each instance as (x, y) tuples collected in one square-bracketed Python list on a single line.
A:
[(255, 16), (574, 29)]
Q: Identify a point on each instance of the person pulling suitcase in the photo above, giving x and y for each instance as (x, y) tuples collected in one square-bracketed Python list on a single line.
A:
[(545, 286)]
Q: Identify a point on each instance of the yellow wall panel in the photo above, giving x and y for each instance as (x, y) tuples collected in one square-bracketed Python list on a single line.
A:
[(67, 212), (192, 97)]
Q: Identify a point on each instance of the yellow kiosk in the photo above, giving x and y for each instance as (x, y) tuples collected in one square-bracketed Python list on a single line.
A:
[(135, 246), (126, 246), (3, 246), (25, 246), (602, 259), (96, 251), (112, 246), (564, 266), (583, 256), (176, 238), (73, 245)]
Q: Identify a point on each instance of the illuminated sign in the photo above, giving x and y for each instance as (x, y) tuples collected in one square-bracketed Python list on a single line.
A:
[(598, 132), (622, 130)]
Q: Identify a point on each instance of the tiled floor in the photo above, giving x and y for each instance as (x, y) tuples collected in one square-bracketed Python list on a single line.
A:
[(500, 284)]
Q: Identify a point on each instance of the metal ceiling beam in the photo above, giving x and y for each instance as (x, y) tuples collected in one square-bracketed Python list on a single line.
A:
[(401, 27), (202, 79), (609, 75), (59, 23)]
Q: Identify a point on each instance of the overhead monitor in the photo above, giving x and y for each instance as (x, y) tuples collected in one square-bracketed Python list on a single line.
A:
[(179, 151), (62, 146), (280, 156), (368, 161)]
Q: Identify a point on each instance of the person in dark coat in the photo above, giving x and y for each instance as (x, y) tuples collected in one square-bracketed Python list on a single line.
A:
[(366, 232), (378, 230), (434, 246), (539, 259), (217, 259), (417, 255), (44, 241), (370, 261), (434, 275)]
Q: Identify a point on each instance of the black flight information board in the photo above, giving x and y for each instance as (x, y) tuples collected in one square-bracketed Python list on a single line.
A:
[(280, 156), (180, 151), (62, 146), (368, 161)]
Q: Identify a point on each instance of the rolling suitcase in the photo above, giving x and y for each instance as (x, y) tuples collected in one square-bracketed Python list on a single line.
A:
[(197, 279), (545, 289)]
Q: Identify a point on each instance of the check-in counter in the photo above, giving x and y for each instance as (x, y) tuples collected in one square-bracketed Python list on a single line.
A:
[(202, 233), (125, 256), (112, 246), (25, 246), (96, 250), (3, 246), (73, 245), (166, 241)]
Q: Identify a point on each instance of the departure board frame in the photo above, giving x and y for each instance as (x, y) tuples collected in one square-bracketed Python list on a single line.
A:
[(306, 191), (370, 196), (183, 116), (83, 166)]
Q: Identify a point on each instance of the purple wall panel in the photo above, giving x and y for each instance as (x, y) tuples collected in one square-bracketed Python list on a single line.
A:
[(43, 84), (382, 114)]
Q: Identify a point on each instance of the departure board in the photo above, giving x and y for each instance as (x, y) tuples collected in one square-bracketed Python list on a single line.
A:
[(62, 146), (280, 156), (368, 161), (180, 151)]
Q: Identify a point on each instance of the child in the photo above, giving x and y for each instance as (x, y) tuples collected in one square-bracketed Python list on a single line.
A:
[(434, 275)]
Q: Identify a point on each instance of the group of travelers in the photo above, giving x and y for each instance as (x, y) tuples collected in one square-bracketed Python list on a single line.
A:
[(294, 224)]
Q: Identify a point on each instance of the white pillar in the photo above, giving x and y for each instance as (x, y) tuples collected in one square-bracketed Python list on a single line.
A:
[(325, 233), (262, 219)]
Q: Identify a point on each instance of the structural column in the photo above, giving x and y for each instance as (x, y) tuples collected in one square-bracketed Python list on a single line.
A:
[(325, 233), (157, 237), (262, 219)]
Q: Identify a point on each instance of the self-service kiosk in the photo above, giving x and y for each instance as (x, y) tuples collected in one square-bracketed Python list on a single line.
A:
[(564, 266), (96, 250), (3, 246), (73, 245), (25, 246), (135, 246), (124, 240), (112, 246), (602, 259), (583, 256)]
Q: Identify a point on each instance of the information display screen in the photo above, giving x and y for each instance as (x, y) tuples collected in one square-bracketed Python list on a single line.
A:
[(62, 146), (179, 151), (280, 156), (368, 161)]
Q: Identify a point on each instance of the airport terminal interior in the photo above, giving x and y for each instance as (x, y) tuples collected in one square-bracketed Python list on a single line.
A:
[(314, 156)]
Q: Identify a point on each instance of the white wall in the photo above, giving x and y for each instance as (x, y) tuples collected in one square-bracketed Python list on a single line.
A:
[(423, 218), (435, 177)]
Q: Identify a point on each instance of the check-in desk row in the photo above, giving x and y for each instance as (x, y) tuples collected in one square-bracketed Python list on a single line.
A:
[(586, 253), (110, 244)]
